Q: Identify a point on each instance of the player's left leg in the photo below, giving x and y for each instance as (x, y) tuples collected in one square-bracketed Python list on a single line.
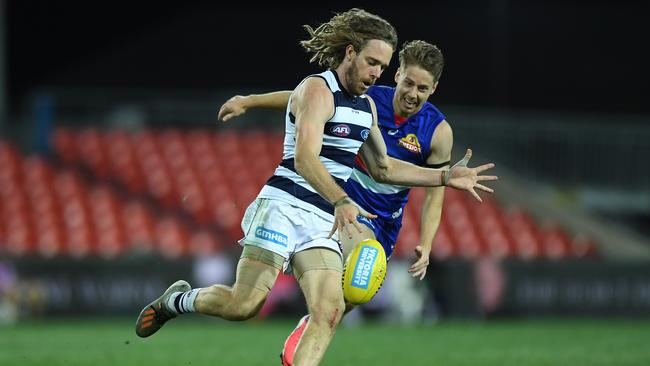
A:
[(318, 271), (291, 343)]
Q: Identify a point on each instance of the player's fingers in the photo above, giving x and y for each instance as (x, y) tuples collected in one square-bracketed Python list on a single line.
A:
[(357, 224), (347, 229), (417, 273), (484, 188), (226, 117), (424, 273), (334, 227), (484, 167), (367, 214), (221, 113), (487, 177), (418, 264), (465, 160), (473, 192)]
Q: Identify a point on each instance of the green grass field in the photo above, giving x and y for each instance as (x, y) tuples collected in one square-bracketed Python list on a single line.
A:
[(205, 341)]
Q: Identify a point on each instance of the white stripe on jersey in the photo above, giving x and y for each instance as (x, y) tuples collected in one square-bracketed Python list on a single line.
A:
[(280, 195), (350, 116), (369, 184), (338, 141), (340, 171)]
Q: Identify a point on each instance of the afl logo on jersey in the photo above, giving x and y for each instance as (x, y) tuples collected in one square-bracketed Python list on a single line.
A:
[(341, 130), (410, 142), (364, 134)]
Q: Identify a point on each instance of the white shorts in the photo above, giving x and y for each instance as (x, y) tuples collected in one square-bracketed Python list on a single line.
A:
[(286, 229)]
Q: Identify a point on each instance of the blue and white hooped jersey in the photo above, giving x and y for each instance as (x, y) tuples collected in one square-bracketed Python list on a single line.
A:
[(343, 135), (408, 140)]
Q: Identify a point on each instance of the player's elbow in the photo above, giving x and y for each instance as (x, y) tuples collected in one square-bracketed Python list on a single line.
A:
[(380, 174)]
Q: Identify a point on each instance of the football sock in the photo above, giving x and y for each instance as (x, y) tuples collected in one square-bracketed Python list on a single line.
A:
[(183, 302)]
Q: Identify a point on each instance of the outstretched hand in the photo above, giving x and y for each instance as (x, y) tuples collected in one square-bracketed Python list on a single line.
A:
[(467, 179), (233, 107), (419, 268)]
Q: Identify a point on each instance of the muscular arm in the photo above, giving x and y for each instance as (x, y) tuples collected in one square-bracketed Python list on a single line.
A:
[(385, 169), (239, 104), (441, 145), (313, 105)]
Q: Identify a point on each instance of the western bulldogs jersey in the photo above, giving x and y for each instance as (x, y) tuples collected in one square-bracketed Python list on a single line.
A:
[(408, 140), (343, 135)]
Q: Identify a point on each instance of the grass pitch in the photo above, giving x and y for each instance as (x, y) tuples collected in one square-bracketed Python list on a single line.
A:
[(197, 340)]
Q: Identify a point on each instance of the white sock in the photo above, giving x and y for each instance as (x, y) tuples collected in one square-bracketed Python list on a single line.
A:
[(183, 302)]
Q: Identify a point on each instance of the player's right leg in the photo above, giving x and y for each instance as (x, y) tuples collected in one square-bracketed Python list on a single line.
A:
[(257, 271), (262, 259)]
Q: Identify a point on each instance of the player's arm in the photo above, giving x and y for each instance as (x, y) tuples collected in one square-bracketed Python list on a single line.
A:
[(385, 169), (239, 104), (313, 106), (440, 155)]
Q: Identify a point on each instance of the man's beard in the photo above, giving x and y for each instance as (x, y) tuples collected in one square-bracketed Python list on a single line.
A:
[(354, 81)]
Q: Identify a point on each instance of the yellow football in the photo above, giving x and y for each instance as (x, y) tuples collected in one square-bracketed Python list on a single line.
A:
[(364, 272)]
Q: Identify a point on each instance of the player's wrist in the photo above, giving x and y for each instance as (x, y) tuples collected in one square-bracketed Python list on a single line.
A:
[(342, 201), (444, 177)]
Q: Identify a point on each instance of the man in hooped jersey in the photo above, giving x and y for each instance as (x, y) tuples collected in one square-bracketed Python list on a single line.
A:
[(413, 129), (289, 224)]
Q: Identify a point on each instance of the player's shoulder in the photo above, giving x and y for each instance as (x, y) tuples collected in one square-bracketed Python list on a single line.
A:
[(313, 85), (380, 91), (430, 112)]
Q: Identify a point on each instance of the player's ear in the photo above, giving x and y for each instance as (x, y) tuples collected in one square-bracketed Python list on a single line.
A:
[(350, 52), (397, 74), (435, 85)]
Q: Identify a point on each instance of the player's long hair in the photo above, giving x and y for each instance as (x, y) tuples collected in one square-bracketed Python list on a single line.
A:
[(355, 26), (422, 54)]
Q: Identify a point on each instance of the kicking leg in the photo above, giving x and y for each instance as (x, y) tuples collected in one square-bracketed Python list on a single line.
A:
[(256, 273)]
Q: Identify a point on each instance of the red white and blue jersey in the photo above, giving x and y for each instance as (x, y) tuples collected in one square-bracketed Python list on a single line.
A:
[(406, 139)]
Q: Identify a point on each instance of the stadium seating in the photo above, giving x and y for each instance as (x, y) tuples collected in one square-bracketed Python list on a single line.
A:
[(49, 211), (181, 193)]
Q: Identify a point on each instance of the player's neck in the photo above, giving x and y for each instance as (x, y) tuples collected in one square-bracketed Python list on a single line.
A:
[(341, 74)]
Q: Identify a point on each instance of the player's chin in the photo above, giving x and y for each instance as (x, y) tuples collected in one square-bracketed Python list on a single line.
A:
[(363, 86), (363, 89)]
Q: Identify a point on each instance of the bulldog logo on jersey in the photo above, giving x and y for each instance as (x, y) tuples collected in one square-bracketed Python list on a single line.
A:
[(410, 142)]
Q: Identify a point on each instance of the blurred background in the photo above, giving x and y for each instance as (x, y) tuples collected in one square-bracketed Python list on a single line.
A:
[(116, 178)]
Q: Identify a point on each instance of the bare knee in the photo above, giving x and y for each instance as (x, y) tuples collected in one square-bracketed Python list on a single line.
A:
[(327, 312)]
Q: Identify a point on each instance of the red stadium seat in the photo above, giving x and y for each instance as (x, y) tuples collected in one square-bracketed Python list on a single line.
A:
[(20, 236), (203, 243), (443, 247), (138, 222), (93, 153), (50, 241), (171, 238), (63, 141), (81, 241)]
